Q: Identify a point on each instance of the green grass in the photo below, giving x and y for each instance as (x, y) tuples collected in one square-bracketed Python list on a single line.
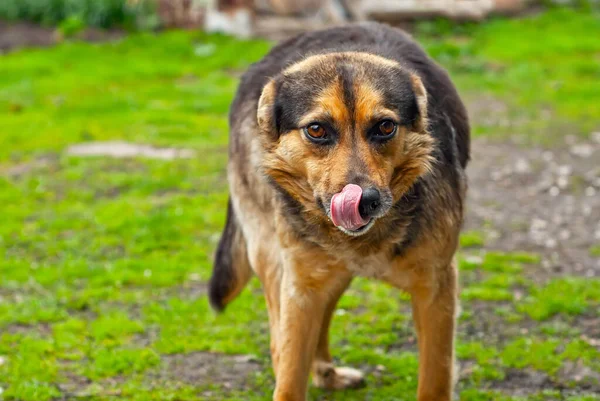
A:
[(472, 239), (548, 82), (104, 262), (570, 296), (547, 355)]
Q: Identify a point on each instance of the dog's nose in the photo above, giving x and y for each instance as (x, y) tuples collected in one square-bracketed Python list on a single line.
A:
[(369, 203)]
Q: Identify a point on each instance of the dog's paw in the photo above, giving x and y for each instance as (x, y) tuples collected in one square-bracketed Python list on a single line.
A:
[(331, 378)]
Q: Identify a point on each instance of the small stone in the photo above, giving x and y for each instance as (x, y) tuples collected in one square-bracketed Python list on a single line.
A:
[(554, 191), (496, 175), (544, 185), (2, 360), (547, 156), (493, 234), (522, 166), (562, 182), (246, 358), (582, 150), (550, 243), (147, 273), (380, 368), (564, 170), (120, 149), (205, 50), (595, 137), (474, 259), (594, 342), (565, 235), (194, 277), (590, 191), (538, 224)]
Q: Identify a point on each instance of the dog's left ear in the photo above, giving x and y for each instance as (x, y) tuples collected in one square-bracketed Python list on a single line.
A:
[(420, 123), (265, 114)]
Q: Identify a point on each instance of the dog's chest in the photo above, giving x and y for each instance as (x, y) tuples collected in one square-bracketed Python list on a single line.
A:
[(373, 266)]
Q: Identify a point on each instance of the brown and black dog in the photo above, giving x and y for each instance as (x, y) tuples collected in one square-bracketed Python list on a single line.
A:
[(347, 155)]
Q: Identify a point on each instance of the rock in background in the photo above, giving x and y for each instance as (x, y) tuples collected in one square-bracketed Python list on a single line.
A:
[(277, 19)]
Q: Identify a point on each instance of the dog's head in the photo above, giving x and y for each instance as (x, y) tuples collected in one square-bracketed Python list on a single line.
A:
[(345, 135)]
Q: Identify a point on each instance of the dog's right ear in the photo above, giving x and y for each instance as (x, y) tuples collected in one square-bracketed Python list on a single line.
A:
[(265, 114)]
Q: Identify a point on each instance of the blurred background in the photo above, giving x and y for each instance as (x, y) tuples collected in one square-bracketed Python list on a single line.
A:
[(113, 146)]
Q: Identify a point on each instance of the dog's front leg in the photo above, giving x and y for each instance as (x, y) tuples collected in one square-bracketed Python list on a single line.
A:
[(434, 308), (305, 292)]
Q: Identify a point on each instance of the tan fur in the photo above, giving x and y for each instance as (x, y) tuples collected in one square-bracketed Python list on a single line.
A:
[(313, 61), (331, 102), (303, 282)]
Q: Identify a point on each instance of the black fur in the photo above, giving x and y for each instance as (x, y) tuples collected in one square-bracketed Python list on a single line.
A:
[(347, 78), (411, 207), (223, 277), (293, 207)]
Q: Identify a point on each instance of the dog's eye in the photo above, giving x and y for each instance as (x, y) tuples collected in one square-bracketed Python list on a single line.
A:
[(386, 128), (316, 131)]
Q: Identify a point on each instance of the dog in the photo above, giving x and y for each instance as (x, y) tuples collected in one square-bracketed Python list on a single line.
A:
[(347, 156)]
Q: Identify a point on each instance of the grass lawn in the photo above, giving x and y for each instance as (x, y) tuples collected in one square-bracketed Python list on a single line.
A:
[(103, 262)]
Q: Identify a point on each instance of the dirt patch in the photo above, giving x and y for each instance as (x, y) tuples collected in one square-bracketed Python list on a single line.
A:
[(488, 111), (23, 34), (577, 374), (573, 378), (491, 330), (522, 382), (15, 171), (24, 328), (17, 35), (540, 200), (73, 384), (230, 372), (95, 35), (120, 149)]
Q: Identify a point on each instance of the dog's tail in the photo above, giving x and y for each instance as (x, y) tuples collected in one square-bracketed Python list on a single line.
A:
[(231, 270)]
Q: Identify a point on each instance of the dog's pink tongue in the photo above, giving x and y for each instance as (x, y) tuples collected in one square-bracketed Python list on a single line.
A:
[(344, 208)]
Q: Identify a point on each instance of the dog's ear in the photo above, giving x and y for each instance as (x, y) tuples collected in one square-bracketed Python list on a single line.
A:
[(420, 123), (265, 114)]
